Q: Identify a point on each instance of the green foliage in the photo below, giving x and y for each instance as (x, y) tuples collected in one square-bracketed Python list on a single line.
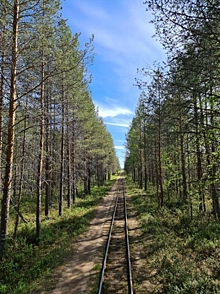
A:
[(181, 277), (25, 263), (53, 104), (182, 252)]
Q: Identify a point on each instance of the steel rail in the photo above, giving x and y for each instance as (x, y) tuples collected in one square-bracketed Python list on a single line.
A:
[(107, 247), (130, 284), (128, 259)]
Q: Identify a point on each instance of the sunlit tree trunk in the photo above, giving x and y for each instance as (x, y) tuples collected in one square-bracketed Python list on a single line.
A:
[(69, 171), (145, 159), (74, 188), (11, 135), (41, 154), (48, 154), (160, 151), (21, 179), (62, 153), (140, 167), (160, 166), (2, 91)]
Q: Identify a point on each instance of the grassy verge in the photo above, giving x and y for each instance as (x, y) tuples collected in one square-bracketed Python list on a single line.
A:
[(177, 254), (26, 266)]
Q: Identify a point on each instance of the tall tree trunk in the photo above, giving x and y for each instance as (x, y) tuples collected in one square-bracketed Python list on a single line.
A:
[(160, 162), (69, 171), (189, 172), (41, 154), (202, 120), (214, 167), (145, 159), (48, 155), (109, 173), (11, 135), (183, 161), (134, 174), (62, 156), (85, 176), (2, 91), (74, 189), (198, 152), (89, 176), (140, 168), (21, 180), (156, 177)]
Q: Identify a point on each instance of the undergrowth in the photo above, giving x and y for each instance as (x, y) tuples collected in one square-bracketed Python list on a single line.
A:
[(25, 265), (183, 253)]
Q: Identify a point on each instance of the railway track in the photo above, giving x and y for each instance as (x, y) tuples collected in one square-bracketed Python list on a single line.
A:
[(116, 274)]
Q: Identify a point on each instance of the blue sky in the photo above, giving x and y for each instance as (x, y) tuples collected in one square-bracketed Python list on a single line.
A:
[(123, 42)]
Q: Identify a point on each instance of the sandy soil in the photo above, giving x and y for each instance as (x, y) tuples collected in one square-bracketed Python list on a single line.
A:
[(77, 275)]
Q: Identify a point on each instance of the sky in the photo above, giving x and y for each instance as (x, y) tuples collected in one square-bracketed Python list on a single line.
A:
[(123, 43)]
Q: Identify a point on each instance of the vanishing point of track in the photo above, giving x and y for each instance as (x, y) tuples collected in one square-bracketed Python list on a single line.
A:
[(116, 276)]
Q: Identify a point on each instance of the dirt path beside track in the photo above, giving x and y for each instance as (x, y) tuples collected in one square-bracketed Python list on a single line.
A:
[(77, 274)]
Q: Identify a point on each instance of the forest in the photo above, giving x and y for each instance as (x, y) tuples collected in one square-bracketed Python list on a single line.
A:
[(176, 123), (58, 161), (173, 153), (53, 144)]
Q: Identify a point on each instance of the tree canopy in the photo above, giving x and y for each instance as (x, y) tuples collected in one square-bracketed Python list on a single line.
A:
[(173, 141), (52, 141)]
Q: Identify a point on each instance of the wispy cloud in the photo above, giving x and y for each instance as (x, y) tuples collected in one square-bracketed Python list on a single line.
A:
[(123, 42), (120, 147), (123, 37), (117, 124), (125, 29), (115, 115), (110, 108), (91, 11), (113, 111)]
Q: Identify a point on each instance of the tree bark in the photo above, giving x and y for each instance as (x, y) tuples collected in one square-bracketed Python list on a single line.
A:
[(41, 155), (2, 90), (198, 152), (183, 161), (20, 189), (48, 155), (11, 135), (62, 155), (159, 158), (74, 189), (69, 172)]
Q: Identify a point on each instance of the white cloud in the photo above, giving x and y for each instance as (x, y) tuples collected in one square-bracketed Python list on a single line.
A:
[(113, 114), (110, 108), (120, 147), (113, 111), (123, 39), (117, 124), (123, 31), (123, 42)]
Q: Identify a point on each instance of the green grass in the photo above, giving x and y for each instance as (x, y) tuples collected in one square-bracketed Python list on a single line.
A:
[(26, 266), (182, 253)]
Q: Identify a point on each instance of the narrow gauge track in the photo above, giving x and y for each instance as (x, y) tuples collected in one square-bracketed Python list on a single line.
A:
[(116, 274)]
